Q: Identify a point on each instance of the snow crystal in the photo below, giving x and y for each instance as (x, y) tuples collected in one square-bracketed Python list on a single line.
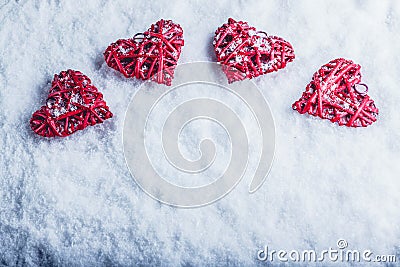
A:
[(269, 64), (262, 43), (123, 50), (251, 32), (58, 111), (76, 98)]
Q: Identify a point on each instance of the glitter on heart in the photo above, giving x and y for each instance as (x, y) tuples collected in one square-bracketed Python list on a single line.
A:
[(245, 52), (73, 104), (150, 55), (337, 94)]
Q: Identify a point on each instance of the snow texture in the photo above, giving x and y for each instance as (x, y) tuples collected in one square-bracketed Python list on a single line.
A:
[(72, 201)]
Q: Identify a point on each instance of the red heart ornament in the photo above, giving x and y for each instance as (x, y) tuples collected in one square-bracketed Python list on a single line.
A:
[(150, 55), (335, 94), (246, 53), (73, 104)]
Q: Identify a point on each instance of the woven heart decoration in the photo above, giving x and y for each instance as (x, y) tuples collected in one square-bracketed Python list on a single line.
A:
[(245, 52), (337, 94), (73, 104), (150, 55)]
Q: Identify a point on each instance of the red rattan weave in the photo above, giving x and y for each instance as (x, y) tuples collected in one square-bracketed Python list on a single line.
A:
[(150, 55), (73, 104), (333, 94)]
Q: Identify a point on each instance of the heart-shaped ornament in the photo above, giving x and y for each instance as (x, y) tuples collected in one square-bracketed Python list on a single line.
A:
[(150, 55), (73, 104), (337, 94), (245, 52)]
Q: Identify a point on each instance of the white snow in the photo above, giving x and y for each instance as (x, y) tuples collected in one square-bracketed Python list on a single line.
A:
[(73, 201)]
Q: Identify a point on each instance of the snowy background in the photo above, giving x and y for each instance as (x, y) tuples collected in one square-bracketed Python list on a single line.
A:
[(73, 201)]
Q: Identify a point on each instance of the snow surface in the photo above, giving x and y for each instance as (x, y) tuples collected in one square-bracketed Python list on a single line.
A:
[(73, 201)]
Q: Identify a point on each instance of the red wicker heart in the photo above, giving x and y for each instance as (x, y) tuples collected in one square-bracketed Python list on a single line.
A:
[(247, 53), (334, 94), (150, 55), (73, 104)]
